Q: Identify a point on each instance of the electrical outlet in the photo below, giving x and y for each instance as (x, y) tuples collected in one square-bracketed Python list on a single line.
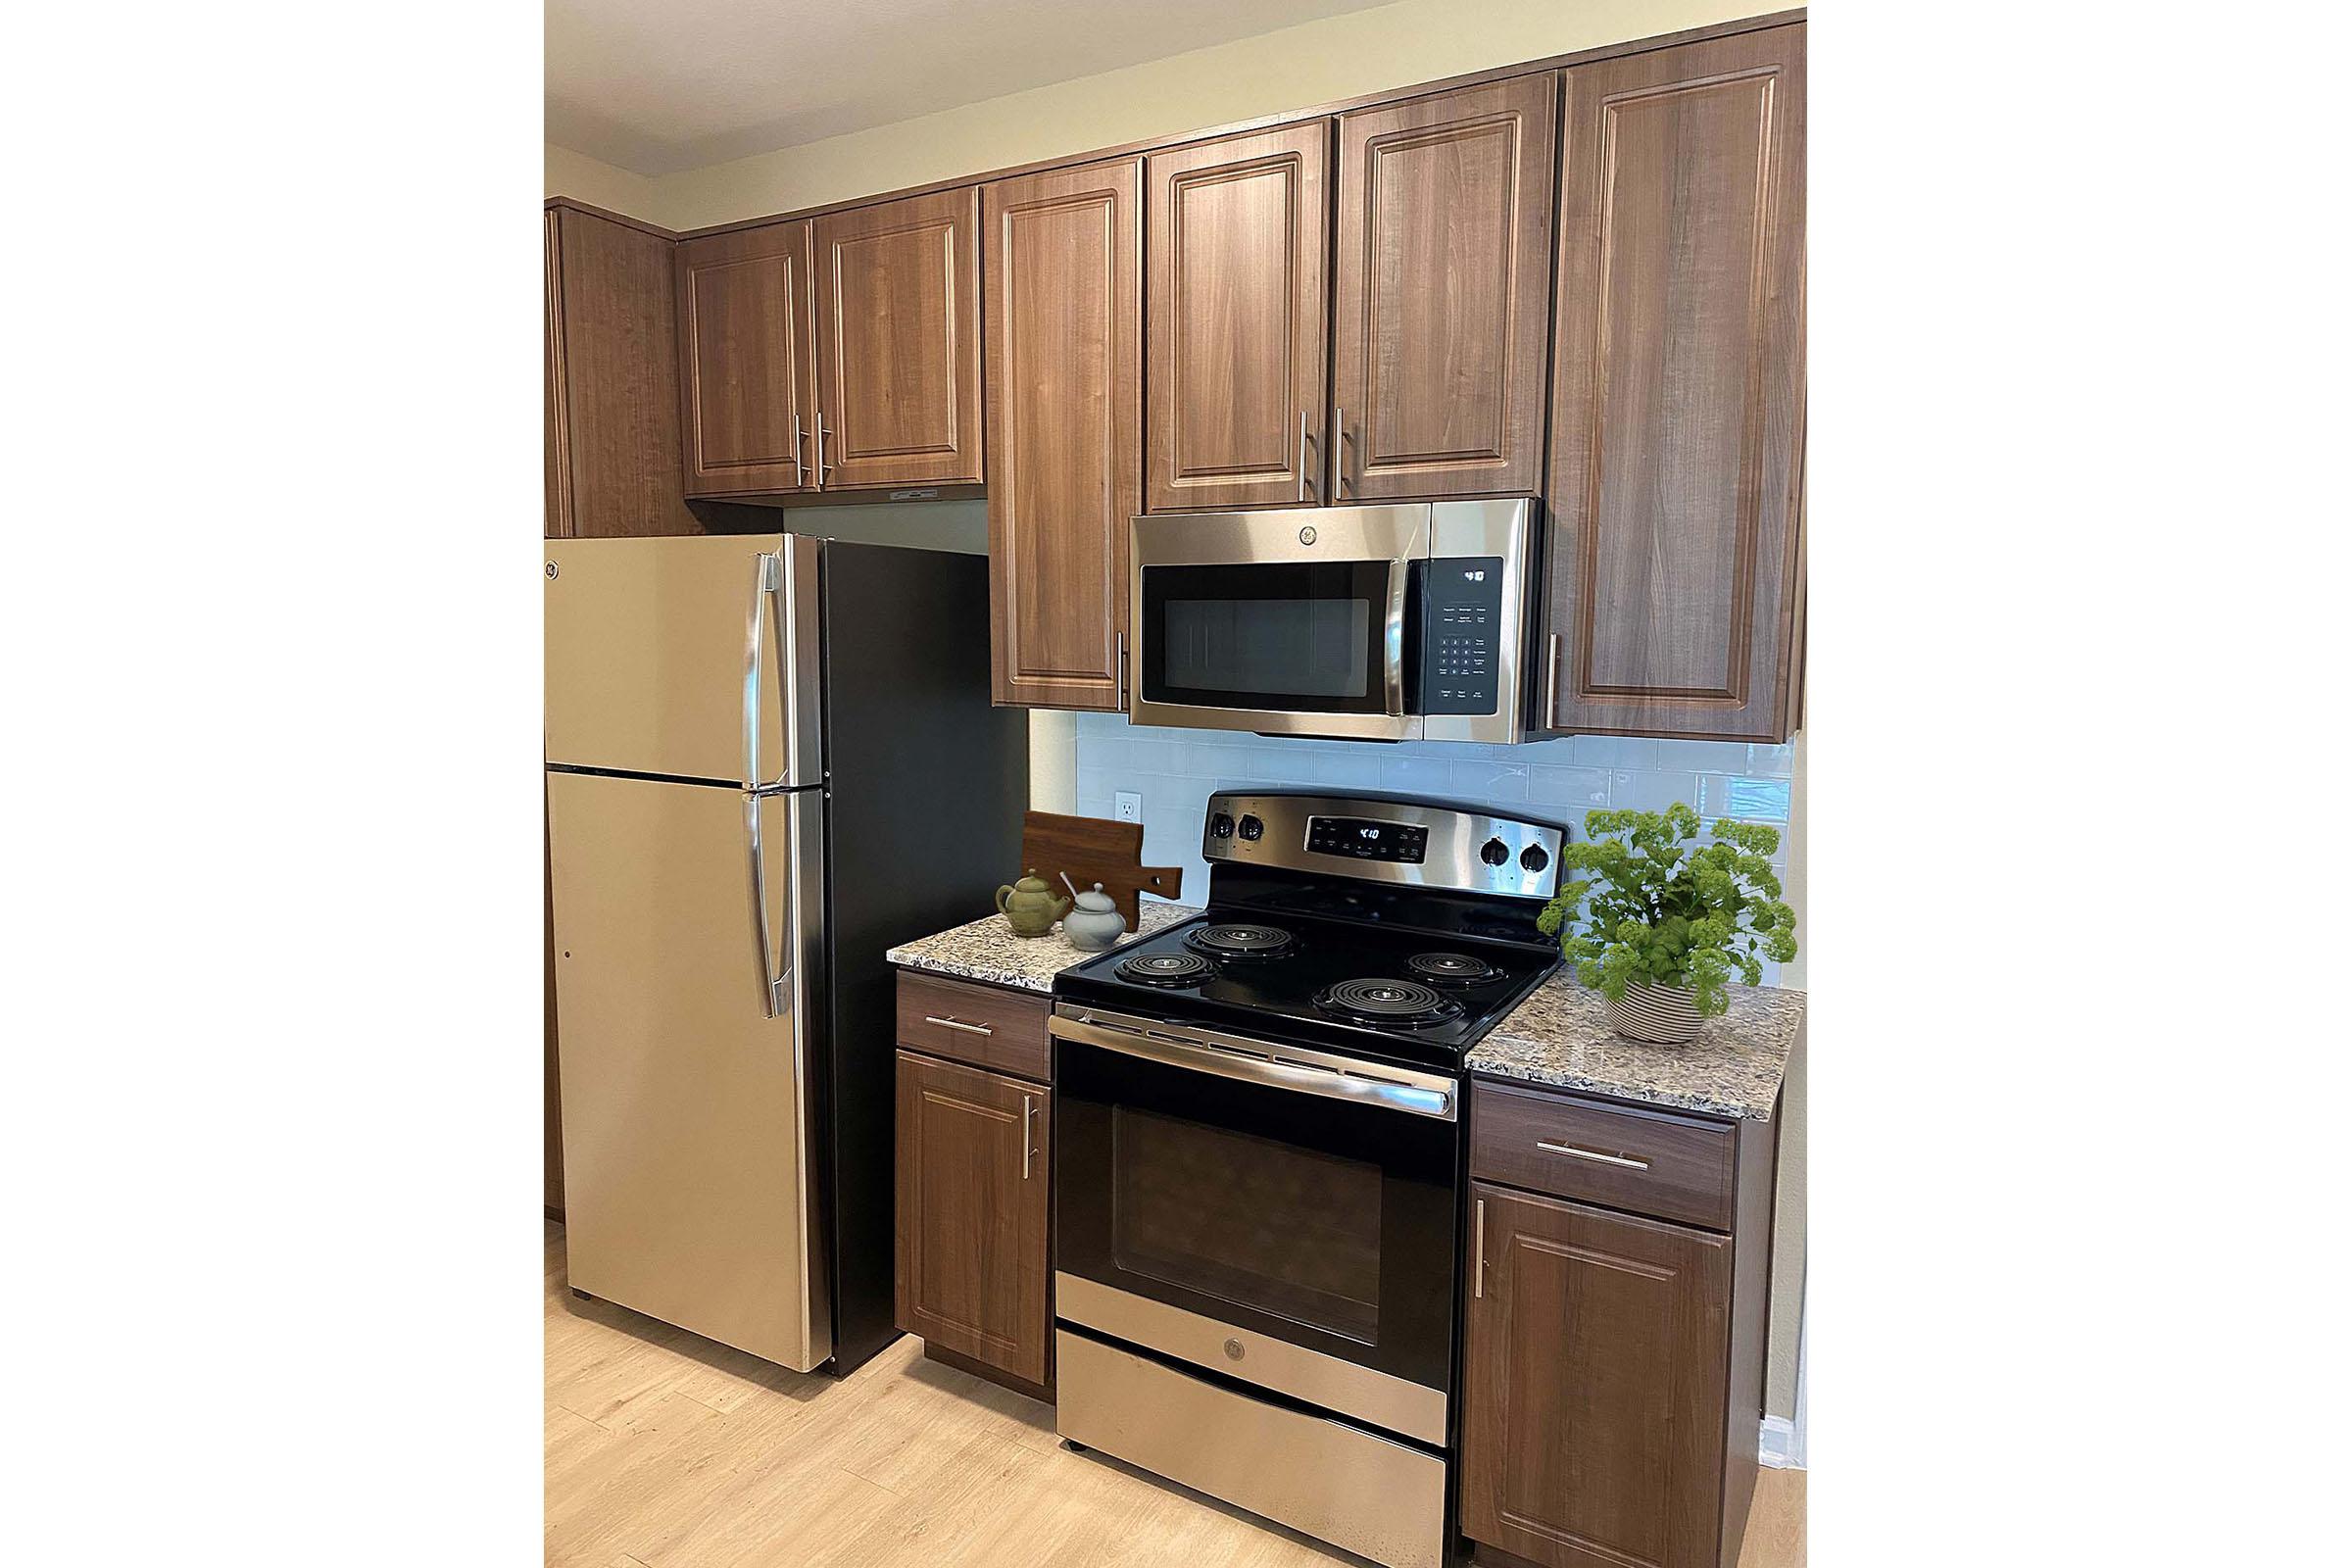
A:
[(1128, 806)]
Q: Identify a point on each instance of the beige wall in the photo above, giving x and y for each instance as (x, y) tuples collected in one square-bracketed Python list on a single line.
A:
[(582, 178), (1317, 61)]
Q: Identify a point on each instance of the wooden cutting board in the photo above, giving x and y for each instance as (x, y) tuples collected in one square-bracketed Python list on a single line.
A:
[(1093, 850)]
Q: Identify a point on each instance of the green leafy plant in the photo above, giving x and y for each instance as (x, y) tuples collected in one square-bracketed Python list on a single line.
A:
[(1656, 911)]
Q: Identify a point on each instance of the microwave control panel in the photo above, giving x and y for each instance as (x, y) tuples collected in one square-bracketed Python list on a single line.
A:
[(1459, 651)]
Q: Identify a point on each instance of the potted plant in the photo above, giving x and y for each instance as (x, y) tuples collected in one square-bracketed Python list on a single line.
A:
[(1658, 928)]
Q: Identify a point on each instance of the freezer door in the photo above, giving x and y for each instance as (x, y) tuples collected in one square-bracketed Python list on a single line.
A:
[(687, 1138), (685, 657)]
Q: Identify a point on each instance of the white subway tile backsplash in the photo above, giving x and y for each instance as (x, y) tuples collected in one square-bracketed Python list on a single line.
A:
[(1148, 757), (1415, 775), (1642, 791), (1491, 783), (1614, 751), (1756, 800), (1104, 751), (1702, 757), (1583, 789), (1355, 769), (1558, 780)]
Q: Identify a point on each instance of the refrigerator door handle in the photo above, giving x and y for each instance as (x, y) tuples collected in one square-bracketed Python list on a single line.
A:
[(764, 588), (772, 984)]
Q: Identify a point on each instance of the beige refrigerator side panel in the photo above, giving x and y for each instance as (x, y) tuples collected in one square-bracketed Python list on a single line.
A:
[(685, 1106), (648, 656)]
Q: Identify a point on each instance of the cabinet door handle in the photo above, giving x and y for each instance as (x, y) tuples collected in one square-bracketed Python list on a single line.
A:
[(1340, 435), (1028, 1143), (800, 438), (1118, 658), (820, 449), (1593, 1154), (1478, 1267), (1303, 456), (958, 1023), (1552, 681)]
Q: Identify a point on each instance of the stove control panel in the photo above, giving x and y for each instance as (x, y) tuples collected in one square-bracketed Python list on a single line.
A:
[(1384, 838), (1368, 839)]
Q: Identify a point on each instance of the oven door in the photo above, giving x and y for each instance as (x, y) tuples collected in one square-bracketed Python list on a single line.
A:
[(1284, 622), (1282, 1217)]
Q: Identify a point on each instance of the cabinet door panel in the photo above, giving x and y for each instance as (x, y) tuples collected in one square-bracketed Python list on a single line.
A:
[(613, 382), (898, 341), (743, 326), (1237, 258), (559, 435), (1593, 1373), (972, 1208), (1066, 415), (1444, 292), (1679, 397)]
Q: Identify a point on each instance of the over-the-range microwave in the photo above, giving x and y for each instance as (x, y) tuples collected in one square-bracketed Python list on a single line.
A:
[(1373, 622)]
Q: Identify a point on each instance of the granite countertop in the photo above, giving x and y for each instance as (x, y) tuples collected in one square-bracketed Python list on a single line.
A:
[(1560, 1035), (987, 950)]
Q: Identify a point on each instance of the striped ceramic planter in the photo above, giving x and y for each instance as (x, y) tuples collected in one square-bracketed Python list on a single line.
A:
[(1663, 1016)]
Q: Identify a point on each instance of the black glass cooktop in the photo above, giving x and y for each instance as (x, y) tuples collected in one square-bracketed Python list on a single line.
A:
[(1345, 985)]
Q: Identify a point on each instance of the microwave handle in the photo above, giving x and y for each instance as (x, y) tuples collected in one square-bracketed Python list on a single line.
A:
[(1401, 609)]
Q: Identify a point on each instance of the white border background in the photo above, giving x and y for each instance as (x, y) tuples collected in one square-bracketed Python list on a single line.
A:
[(268, 629)]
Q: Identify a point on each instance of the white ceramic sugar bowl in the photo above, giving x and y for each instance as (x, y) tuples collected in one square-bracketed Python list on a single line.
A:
[(1093, 923)]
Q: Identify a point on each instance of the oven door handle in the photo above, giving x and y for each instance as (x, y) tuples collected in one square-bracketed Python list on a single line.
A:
[(1366, 1088)]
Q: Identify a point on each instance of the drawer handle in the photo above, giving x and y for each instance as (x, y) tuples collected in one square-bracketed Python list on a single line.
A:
[(1593, 1154), (958, 1023)]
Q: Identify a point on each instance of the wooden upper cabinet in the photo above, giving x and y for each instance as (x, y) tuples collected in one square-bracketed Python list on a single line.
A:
[(1593, 1385), (559, 439), (611, 381), (1065, 282), (749, 377), (1678, 402), (973, 1179), (1442, 293), (1237, 302), (897, 340)]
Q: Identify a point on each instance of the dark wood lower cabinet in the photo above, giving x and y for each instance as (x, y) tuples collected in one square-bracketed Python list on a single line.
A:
[(1613, 1363), (973, 1212), (1595, 1376)]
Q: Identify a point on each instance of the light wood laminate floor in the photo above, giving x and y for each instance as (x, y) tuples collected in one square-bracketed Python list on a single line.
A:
[(666, 1450)]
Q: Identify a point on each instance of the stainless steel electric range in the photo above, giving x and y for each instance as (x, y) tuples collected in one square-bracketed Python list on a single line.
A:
[(1258, 1135)]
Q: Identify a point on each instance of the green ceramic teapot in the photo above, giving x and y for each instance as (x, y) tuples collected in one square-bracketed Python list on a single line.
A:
[(1030, 905)]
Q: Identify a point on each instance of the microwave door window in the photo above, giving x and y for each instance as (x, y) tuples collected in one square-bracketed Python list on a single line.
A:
[(1282, 637), (1269, 647)]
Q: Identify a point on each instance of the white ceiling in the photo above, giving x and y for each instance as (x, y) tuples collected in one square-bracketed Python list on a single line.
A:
[(660, 85)]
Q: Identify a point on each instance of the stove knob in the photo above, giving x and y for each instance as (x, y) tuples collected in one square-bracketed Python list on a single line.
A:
[(1534, 858), (1252, 829), (1220, 826), (1495, 851)]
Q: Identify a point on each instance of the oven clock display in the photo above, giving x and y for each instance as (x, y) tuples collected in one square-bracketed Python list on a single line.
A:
[(1362, 839)]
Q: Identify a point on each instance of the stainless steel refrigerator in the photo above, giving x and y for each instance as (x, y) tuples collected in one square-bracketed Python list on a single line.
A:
[(769, 758)]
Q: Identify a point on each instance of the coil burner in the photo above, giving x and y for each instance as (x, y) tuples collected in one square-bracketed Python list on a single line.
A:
[(1166, 969), (1388, 1004), (1451, 968), (1233, 940)]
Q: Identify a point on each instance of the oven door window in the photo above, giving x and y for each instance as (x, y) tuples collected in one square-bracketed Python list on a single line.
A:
[(1287, 637), (1290, 1232), (1326, 1223)]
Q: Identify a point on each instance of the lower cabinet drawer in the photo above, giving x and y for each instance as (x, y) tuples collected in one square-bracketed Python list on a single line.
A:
[(1668, 1166), (1003, 1031)]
